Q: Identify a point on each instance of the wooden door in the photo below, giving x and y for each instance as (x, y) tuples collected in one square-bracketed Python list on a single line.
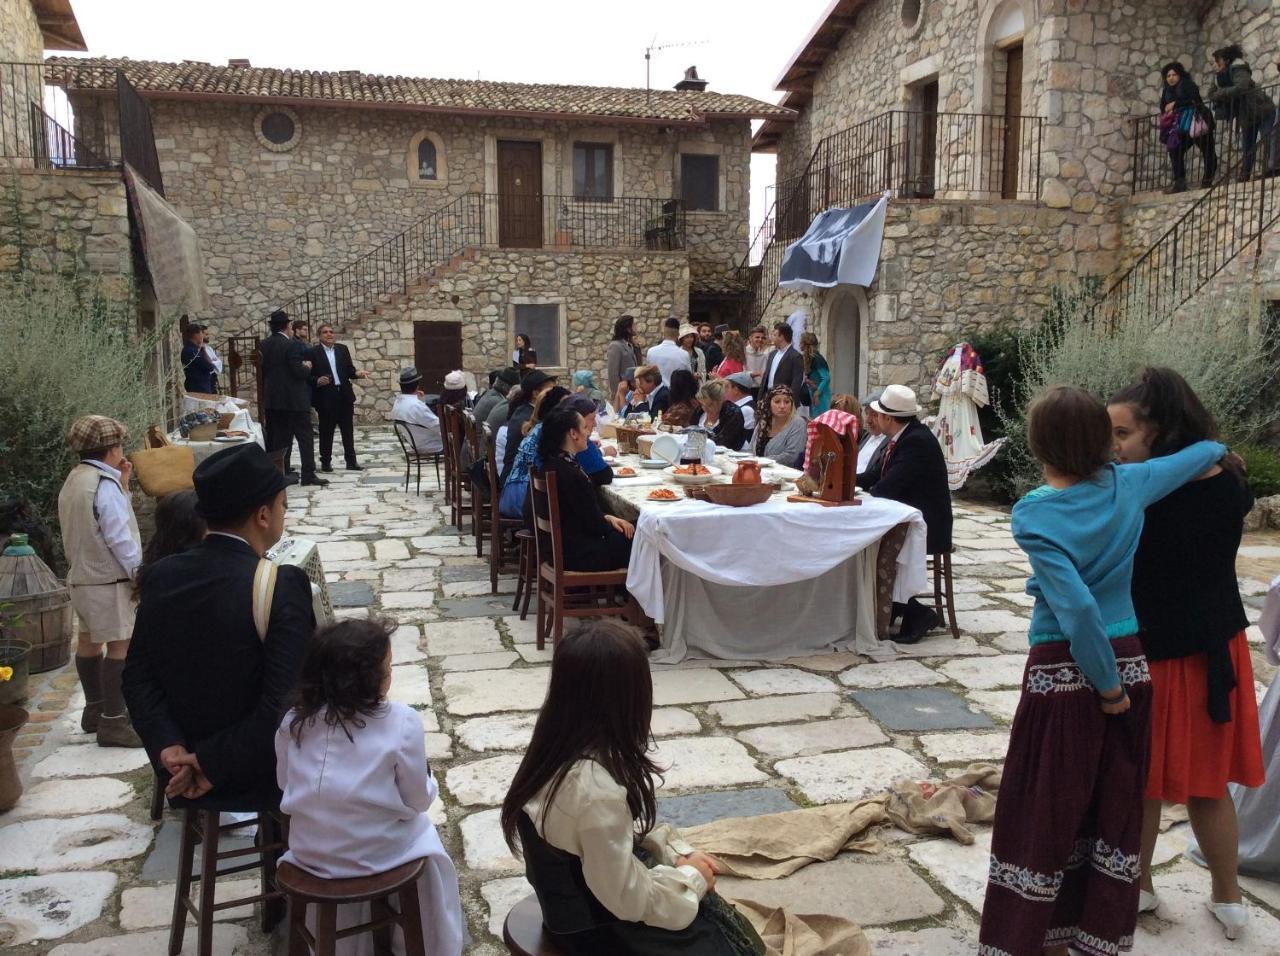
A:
[(1012, 151), (519, 195), (437, 351), (924, 142)]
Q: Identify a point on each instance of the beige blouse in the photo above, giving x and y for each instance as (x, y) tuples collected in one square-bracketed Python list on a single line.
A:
[(591, 820)]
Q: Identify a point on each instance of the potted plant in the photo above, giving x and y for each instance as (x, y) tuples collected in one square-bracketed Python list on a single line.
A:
[(14, 658), (12, 717)]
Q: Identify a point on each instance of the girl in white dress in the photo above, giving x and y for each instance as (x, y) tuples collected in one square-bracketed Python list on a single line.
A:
[(353, 768)]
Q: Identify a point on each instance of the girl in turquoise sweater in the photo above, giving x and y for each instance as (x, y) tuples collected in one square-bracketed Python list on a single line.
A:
[(1065, 851)]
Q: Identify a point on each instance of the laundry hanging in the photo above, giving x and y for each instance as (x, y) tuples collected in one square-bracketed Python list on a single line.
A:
[(840, 247)]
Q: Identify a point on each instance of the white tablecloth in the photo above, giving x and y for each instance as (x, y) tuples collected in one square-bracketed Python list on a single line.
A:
[(203, 449)]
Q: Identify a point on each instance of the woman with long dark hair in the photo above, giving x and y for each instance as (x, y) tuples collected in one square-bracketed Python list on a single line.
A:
[(622, 353), (781, 432), (684, 408), (581, 810), (1204, 714), (523, 354), (1183, 114), (178, 527)]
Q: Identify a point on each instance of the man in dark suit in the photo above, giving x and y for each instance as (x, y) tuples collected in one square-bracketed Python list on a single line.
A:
[(784, 365), (197, 370), (913, 471), (205, 691), (333, 397), (286, 391)]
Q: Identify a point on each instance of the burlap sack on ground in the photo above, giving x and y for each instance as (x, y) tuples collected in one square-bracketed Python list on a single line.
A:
[(926, 807), (788, 934)]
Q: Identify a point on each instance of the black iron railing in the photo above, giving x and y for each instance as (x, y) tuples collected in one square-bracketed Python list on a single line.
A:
[(1233, 141), (1228, 219), (137, 139), (478, 220), (36, 123)]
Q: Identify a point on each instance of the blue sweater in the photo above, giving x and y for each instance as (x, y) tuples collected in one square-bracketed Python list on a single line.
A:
[(1081, 541)]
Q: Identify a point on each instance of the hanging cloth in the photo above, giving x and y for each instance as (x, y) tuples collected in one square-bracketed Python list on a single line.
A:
[(962, 388)]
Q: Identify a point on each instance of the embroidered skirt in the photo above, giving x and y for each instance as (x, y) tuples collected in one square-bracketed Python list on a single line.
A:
[(1068, 827)]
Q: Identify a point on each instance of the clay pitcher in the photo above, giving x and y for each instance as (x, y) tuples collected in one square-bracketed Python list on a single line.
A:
[(12, 718), (747, 473)]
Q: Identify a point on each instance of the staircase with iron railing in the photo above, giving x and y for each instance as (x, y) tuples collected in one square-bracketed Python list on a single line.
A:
[(909, 154)]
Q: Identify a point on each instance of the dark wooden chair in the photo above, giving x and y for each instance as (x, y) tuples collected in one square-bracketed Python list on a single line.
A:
[(501, 530), (458, 485), (444, 413), (944, 590), (157, 797), (481, 505), (564, 593), (304, 889), (523, 933), (412, 456), (527, 576), (201, 827)]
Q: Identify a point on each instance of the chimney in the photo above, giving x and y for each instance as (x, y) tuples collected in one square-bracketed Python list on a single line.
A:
[(242, 63), (691, 81)]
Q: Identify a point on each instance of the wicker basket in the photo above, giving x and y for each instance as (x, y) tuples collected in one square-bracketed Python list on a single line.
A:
[(38, 602)]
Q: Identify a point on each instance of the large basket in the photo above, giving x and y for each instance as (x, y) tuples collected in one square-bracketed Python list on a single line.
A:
[(46, 626)]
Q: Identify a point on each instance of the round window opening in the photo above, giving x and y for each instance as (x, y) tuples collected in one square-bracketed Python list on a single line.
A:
[(278, 128), (911, 12)]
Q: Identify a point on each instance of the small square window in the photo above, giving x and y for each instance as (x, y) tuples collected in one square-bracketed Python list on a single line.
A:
[(700, 181), (593, 171), (541, 323)]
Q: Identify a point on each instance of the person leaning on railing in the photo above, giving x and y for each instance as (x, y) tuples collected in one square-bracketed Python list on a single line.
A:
[(1185, 121), (1235, 96)]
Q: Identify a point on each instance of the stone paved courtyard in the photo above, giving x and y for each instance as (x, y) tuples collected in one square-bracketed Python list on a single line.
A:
[(84, 871)]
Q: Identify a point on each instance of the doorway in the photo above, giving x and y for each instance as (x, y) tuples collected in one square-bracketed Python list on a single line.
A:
[(519, 194), (846, 318), (1012, 150), (922, 142), (437, 351)]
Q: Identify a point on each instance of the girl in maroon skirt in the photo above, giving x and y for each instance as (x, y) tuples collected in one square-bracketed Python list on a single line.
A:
[(1065, 851)]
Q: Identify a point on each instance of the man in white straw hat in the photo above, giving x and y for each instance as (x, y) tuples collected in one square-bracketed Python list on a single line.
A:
[(913, 471), (667, 354)]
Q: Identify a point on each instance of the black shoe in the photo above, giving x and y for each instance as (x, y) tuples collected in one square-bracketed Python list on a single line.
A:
[(314, 480), (291, 471), (290, 478), (1177, 186), (326, 467), (917, 625), (352, 466)]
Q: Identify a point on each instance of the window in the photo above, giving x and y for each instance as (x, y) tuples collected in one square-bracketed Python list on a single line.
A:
[(541, 322), (277, 128), (700, 181), (593, 171), (427, 160)]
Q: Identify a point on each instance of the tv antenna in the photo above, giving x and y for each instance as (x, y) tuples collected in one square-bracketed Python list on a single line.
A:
[(655, 47)]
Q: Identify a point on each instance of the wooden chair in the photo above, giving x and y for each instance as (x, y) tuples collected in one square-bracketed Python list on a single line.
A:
[(201, 826), (523, 933), (500, 547), (304, 889), (404, 434), (944, 590), (458, 493), (444, 412), (527, 577), (481, 506), (564, 593)]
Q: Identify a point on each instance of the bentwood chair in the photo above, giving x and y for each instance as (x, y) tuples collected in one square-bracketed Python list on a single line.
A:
[(564, 593), (500, 546), (412, 456)]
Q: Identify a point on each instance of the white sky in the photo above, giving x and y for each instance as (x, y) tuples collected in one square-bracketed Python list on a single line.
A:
[(739, 45)]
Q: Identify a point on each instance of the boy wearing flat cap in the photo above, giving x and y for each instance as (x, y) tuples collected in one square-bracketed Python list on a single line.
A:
[(217, 650), (103, 549)]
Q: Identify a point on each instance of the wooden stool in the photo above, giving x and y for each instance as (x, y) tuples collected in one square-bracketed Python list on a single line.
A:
[(523, 933), (302, 889), (943, 597), (202, 827)]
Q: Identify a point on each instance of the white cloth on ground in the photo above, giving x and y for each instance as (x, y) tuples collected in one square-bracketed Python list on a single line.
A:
[(358, 806), (422, 422), (111, 503)]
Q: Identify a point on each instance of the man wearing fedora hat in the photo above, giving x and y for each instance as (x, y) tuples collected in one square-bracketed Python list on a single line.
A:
[(286, 396), (914, 472), (409, 408), (667, 355), (217, 650)]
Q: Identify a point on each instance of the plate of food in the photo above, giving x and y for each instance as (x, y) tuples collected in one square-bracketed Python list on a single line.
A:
[(694, 474), (662, 494), (626, 471)]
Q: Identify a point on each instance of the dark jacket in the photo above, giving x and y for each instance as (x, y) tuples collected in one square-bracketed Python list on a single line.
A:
[(659, 401), (1235, 96), (915, 473), (197, 675), (590, 542), (285, 380), (731, 429), (790, 372), (515, 424), (198, 373), (331, 397)]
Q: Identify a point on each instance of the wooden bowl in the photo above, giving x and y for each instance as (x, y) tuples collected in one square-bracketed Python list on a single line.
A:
[(735, 496)]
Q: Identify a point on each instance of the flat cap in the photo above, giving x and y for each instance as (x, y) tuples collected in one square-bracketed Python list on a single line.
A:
[(95, 431), (743, 380)]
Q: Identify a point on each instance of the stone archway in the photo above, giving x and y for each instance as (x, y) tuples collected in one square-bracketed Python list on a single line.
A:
[(847, 314)]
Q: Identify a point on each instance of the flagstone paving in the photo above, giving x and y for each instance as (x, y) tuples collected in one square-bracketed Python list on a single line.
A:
[(84, 871)]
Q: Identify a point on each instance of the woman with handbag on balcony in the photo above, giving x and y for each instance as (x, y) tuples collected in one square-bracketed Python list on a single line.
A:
[(1185, 121)]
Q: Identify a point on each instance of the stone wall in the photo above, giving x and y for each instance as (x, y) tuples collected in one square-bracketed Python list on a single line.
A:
[(20, 38), (593, 289), (273, 223), (1254, 24), (21, 42)]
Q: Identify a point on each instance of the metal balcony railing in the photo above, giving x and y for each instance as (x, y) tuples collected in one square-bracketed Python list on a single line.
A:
[(36, 123)]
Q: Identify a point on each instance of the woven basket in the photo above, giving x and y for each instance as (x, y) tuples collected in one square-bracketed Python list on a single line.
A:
[(41, 605)]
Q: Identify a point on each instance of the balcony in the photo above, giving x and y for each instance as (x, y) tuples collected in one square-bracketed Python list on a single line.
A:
[(31, 136)]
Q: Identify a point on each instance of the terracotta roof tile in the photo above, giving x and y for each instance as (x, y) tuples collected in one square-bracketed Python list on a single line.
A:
[(352, 87)]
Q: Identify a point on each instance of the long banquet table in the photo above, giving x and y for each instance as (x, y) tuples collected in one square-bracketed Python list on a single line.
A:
[(771, 581)]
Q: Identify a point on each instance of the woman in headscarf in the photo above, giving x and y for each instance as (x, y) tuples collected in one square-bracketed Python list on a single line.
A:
[(780, 430), (1182, 115), (584, 384)]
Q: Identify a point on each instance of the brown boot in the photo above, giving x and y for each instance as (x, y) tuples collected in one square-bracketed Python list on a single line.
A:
[(117, 732), (114, 728), (89, 670)]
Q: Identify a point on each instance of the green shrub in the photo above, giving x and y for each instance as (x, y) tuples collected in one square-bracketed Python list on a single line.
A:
[(1263, 469)]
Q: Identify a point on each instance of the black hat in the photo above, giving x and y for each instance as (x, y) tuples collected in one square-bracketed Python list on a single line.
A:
[(279, 318), (232, 481), (509, 375), (409, 375), (534, 380)]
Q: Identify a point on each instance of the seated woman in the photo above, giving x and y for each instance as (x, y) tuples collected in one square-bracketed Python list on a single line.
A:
[(584, 384), (516, 488), (581, 810), (780, 431), (684, 409), (722, 418), (593, 541)]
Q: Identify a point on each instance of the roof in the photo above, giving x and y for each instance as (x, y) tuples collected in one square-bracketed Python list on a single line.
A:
[(192, 80), (796, 79), (58, 25)]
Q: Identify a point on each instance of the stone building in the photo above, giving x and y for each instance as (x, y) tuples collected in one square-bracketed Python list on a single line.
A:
[(1017, 139), (431, 220)]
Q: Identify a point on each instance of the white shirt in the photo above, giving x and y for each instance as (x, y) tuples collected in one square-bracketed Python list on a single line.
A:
[(213, 358), (866, 452), (668, 356), (590, 819), (500, 444), (422, 421), (773, 369), (755, 360), (748, 406), (333, 363), (112, 506)]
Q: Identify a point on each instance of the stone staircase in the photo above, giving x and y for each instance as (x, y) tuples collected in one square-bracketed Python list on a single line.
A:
[(392, 303)]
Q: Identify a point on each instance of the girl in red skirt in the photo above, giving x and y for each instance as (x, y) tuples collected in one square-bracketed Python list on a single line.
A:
[(1065, 850), (1204, 715)]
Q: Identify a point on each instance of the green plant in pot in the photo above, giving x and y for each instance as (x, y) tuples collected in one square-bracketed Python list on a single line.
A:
[(14, 658)]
